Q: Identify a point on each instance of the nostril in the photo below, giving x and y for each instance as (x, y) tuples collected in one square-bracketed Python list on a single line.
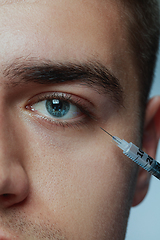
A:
[(5, 195), (7, 199)]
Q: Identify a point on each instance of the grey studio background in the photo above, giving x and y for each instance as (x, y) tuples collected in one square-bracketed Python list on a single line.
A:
[(144, 221)]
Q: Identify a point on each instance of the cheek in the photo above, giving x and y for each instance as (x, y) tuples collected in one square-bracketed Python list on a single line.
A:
[(79, 180)]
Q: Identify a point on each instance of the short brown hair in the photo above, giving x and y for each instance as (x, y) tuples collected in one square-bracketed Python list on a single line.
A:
[(144, 26)]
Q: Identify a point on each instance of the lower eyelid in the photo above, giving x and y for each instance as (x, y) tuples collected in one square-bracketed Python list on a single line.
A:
[(48, 123)]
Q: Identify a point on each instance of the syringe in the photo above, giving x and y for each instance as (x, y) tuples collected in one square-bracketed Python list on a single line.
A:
[(137, 155)]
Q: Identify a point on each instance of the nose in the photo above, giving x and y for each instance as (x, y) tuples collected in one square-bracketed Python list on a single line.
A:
[(14, 185)]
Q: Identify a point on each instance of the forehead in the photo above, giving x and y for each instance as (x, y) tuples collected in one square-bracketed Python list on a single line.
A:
[(84, 23), (3, 2), (68, 30), (99, 8)]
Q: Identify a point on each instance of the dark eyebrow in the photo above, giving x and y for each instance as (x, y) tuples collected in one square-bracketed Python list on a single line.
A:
[(91, 73)]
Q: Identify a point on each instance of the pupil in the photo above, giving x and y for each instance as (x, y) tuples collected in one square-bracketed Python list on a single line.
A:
[(57, 108)]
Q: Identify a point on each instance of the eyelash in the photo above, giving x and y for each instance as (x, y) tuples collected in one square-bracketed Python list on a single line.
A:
[(82, 104)]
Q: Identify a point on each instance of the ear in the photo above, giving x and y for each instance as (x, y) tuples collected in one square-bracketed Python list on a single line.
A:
[(150, 141)]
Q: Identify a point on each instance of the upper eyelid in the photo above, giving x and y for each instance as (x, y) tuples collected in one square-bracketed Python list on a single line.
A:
[(60, 95), (45, 96)]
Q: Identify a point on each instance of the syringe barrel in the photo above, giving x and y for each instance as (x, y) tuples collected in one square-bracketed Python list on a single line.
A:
[(155, 170), (143, 160)]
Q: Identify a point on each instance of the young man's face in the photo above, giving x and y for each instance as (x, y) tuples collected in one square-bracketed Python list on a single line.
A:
[(61, 176)]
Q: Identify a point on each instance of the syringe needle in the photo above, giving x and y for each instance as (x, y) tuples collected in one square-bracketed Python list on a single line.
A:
[(116, 139), (106, 132)]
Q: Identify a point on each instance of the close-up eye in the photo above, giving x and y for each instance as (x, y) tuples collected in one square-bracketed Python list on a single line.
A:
[(61, 108), (57, 109)]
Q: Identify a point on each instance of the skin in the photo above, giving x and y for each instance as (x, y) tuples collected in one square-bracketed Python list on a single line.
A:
[(71, 181)]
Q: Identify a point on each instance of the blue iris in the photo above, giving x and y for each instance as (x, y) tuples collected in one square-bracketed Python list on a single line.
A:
[(57, 108)]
